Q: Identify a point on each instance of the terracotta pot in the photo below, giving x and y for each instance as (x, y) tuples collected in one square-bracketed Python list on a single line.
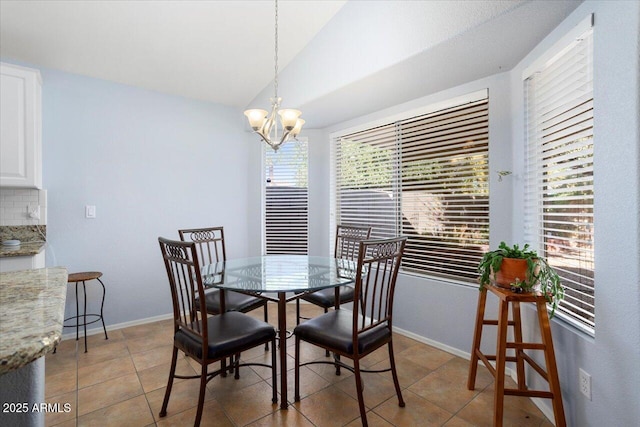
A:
[(510, 270)]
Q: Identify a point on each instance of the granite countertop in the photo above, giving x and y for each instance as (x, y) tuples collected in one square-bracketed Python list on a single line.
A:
[(31, 314), (24, 249)]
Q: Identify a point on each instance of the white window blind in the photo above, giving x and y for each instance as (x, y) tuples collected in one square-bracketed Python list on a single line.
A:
[(286, 199), (559, 173), (423, 177)]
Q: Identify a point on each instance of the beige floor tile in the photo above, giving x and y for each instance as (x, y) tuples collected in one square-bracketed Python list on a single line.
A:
[(102, 353), (310, 383), (60, 383), (69, 423), (104, 371), (329, 407), (289, 418), (457, 422), (154, 339), (184, 395), (373, 419), (55, 418), (140, 331), (426, 356), (156, 377), (212, 416), (108, 393), (447, 386), (131, 413), (376, 388), (150, 358), (249, 404), (480, 411), (408, 372), (417, 412)]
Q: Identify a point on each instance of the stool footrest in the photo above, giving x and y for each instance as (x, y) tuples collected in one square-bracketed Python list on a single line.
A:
[(495, 322), (526, 346), (528, 393)]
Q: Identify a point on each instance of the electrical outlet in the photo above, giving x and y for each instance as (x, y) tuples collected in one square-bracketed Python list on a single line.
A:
[(33, 211), (585, 383)]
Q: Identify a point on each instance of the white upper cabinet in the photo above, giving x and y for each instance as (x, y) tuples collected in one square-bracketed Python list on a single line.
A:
[(21, 124)]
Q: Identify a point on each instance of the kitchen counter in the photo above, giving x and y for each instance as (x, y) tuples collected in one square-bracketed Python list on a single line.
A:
[(25, 249), (31, 314)]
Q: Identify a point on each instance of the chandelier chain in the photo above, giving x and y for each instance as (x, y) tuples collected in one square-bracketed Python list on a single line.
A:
[(275, 80)]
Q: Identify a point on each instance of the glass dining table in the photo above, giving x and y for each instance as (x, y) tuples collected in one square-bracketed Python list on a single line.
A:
[(279, 278)]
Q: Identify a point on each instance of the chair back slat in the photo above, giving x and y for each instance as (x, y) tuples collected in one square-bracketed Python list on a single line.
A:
[(187, 290), (209, 241), (378, 266), (348, 237)]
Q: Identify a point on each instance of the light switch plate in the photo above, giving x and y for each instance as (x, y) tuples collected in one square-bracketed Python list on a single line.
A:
[(90, 211)]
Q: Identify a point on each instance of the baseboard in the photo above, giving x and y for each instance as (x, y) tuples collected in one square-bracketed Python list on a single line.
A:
[(98, 329)]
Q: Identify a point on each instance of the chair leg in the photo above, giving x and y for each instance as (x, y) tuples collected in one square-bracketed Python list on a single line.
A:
[(296, 396), (266, 320), (172, 373), (394, 373), (203, 387), (274, 372), (326, 352), (235, 360), (297, 311), (359, 390)]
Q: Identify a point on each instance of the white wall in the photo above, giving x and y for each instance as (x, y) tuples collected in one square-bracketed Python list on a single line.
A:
[(444, 313), (613, 356), (150, 163)]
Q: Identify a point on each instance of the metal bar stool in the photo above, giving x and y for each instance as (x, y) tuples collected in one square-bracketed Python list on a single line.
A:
[(83, 277)]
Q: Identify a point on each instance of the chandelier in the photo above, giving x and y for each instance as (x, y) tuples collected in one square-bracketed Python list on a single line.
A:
[(274, 132)]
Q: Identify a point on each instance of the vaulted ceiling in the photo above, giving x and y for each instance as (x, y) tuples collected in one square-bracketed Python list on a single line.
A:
[(338, 59)]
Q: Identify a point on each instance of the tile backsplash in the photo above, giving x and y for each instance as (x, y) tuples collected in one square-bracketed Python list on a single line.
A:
[(15, 204)]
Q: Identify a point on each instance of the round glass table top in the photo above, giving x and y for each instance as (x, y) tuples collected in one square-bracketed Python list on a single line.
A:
[(279, 273)]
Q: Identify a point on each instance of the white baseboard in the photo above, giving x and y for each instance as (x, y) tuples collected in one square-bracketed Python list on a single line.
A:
[(98, 329)]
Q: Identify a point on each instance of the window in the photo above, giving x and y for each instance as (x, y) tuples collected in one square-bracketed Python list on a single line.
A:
[(559, 172), (286, 199), (424, 177)]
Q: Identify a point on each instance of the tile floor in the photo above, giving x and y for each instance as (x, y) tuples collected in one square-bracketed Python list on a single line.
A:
[(121, 382)]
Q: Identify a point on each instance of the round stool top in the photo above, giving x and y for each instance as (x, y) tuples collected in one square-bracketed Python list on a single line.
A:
[(85, 275)]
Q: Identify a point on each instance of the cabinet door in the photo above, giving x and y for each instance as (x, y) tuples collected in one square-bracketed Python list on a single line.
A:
[(20, 127)]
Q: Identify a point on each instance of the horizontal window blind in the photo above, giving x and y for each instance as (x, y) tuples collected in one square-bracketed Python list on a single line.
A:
[(423, 177), (559, 175), (445, 190), (286, 203)]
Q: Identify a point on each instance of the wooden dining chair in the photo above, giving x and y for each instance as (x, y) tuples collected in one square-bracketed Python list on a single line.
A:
[(211, 249), (356, 334), (204, 337), (348, 237)]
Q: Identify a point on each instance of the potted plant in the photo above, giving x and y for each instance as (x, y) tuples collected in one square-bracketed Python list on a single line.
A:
[(521, 270)]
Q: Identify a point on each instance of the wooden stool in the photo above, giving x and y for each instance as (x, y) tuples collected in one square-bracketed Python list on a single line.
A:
[(83, 277), (506, 296)]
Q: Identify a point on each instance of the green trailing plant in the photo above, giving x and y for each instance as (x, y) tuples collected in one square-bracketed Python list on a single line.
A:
[(540, 275)]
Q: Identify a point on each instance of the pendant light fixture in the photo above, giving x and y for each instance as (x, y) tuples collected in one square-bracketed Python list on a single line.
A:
[(273, 131)]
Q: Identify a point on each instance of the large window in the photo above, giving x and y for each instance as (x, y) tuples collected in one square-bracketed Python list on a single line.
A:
[(424, 177), (286, 199), (559, 191)]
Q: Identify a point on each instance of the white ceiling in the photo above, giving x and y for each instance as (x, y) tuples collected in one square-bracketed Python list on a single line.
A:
[(220, 51), (346, 58)]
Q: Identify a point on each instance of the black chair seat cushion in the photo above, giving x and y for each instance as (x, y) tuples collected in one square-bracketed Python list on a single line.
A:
[(229, 333), (233, 301), (327, 297), (334, 330)]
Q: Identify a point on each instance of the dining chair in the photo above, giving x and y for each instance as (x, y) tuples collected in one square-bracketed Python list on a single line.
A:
[(211, 249), (348, 238), (204, 337), (357, 333)]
